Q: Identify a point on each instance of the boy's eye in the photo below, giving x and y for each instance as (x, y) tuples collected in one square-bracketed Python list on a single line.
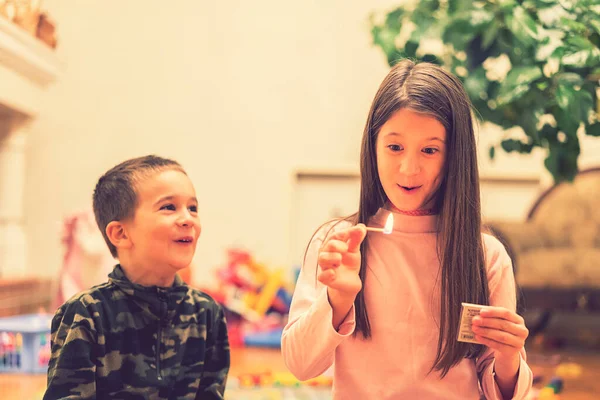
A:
[(194, 208), (169, 207), (430, 150), (394, 147)]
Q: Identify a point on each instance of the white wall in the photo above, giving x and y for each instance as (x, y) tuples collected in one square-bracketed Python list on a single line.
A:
[(239, 92)]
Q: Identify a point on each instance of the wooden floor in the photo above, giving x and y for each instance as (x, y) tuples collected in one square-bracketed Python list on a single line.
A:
[(251, 360)]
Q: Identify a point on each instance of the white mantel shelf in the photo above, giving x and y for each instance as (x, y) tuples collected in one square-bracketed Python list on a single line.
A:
[(27, 66)]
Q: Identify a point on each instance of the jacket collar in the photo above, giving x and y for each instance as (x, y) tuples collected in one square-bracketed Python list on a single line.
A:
[(158, 302)]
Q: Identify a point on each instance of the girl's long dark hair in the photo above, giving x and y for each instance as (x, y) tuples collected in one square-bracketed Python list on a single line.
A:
[(427, 88)]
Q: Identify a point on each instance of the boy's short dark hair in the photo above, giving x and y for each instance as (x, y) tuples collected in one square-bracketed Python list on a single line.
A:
[(115, 196)]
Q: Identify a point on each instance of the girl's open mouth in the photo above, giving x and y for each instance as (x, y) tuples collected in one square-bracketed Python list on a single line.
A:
[(409, 189)]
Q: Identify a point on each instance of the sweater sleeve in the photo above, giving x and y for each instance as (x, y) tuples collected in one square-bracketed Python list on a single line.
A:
[(502, 294), (309, 339), (72, 367)]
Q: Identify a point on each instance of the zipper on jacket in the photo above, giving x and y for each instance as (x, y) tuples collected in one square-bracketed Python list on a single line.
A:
[(158, 352), (162, 314)]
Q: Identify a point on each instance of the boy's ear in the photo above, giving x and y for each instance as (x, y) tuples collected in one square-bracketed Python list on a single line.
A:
[(117, 234)]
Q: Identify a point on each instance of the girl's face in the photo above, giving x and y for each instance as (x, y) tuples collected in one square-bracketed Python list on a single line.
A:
[(411, 151)]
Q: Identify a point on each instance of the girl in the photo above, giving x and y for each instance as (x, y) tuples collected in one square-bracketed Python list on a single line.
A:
[(386, 308)]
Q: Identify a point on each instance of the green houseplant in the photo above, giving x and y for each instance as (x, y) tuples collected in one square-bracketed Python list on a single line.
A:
[(533, 64)]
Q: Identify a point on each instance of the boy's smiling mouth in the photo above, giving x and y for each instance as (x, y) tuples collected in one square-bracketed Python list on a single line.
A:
[(185, 239)]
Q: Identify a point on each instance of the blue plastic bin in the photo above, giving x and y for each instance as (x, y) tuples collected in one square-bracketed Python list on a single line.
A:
[(25, 343), (264, 339)]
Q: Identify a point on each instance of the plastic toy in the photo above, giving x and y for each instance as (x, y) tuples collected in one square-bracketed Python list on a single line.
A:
[(255, 298)]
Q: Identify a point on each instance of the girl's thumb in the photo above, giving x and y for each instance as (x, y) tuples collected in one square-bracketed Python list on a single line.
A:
[(356, 235)]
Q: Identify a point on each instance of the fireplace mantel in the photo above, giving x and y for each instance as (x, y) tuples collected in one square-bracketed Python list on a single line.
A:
[(27, 67)]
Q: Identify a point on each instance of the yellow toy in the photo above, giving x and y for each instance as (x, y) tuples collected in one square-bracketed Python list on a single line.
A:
[(268, 292), (547, 393), (286, 379), (569, 370)]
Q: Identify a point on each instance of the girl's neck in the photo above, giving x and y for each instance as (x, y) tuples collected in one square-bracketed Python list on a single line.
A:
[(414, 213)]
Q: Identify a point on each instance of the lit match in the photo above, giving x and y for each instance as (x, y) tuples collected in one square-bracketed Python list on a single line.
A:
[(387, 229)]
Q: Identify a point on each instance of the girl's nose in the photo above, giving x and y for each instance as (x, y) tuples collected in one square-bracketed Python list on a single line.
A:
[(410, 165)]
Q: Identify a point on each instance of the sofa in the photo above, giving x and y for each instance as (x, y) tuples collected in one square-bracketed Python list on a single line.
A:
[(556, 256)]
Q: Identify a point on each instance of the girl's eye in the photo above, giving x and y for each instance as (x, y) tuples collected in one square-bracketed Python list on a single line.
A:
[(430, 150), (169, 207), (394, 147), (194, 209)]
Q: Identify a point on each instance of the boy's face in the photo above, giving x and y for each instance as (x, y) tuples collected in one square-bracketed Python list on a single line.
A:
[(411, 151), (165, 228)]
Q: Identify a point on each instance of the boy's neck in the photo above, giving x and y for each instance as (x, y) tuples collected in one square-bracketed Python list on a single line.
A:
[(146, 276)]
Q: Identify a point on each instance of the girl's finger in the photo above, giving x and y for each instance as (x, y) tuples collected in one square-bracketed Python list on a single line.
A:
[(518, 330), (501, 337), (494, 345), (335, 245), (342, 235), (502, 313), (353, 236), (329, 260), (357, 235), (326, 277)]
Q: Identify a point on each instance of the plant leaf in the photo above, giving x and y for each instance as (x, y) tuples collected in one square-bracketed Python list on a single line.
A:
[(548, 133), (508, 96), (523, 75), (517, 83), (565, 122), (394, 19), (455, 6), (476, 84), (594, 23), (562, 159), (489, 34), (522, 25), (573, 26), (582, 58), (510, 145), (574, 102), (548, 48), (593, 130), (569, 78)]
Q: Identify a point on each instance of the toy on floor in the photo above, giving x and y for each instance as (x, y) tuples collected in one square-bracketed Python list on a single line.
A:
[(25, 343), (551, 390), (569, 370), (256, 300), (281, 379)]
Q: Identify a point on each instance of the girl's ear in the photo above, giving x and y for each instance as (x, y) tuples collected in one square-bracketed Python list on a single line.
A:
[(117, 234)]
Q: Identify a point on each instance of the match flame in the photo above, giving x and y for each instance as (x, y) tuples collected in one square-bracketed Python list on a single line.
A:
[(389, 224)]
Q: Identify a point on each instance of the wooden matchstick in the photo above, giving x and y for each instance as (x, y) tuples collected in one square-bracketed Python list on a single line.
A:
[(381, 230)]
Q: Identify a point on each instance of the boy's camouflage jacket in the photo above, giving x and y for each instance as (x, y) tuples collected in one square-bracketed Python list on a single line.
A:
[(120, 340)]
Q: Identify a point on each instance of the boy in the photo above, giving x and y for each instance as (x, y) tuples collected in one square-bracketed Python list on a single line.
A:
[(144, 334)]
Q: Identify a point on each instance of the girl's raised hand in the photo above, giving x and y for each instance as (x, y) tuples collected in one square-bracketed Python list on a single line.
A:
[(339, 259)]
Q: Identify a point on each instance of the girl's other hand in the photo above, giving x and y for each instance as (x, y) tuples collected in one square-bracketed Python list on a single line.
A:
[(503, 331)]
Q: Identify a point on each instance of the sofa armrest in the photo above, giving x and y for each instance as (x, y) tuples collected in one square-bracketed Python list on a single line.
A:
[(517, 237)]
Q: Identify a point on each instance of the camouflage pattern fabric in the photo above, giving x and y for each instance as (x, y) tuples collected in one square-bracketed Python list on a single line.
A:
[(119, 340)]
